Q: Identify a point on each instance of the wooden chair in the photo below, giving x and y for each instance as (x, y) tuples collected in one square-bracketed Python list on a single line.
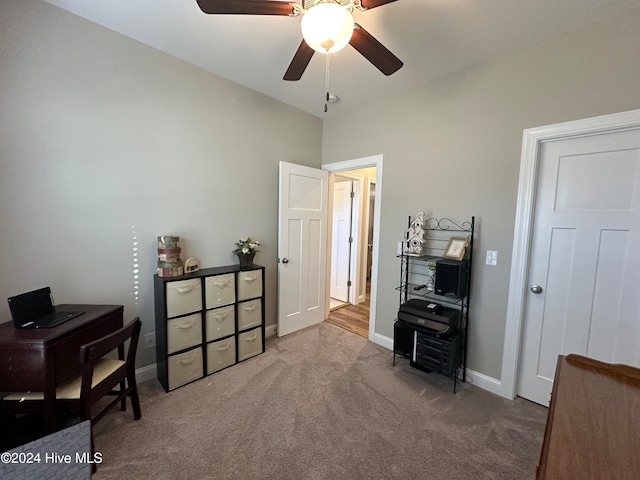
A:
[(101, 376), (593, 425)]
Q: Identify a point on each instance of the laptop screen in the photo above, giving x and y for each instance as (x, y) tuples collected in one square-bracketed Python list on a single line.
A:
[(30, 306)]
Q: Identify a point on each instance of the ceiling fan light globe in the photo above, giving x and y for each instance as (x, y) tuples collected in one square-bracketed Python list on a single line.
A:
[(327, 27)]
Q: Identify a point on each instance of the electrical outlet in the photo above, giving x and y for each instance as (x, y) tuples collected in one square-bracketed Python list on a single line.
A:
[(150, 340), (492, 258)]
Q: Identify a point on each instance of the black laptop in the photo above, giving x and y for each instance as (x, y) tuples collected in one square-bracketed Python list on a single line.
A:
[(36, 310)]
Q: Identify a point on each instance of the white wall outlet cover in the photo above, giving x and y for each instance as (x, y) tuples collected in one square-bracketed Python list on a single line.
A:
[(191, 265)]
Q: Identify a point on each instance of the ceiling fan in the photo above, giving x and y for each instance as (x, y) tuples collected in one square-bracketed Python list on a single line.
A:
[(327, 26)]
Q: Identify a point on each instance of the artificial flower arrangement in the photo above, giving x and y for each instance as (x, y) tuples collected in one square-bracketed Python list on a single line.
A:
[(246, 246)]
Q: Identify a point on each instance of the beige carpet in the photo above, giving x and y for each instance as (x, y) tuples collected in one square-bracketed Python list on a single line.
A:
[(322, 404)]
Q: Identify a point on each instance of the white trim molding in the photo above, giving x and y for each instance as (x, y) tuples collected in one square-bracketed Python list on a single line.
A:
[(484, 382), (270, 331), (356, 164), (145, 373), (533, 139), (383, 341)]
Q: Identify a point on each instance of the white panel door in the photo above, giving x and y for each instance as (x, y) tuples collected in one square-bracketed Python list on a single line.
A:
[(302, 246), (340, 244), (584, 264)]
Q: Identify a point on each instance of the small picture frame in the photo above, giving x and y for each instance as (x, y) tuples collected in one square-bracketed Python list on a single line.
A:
[(456, 248)]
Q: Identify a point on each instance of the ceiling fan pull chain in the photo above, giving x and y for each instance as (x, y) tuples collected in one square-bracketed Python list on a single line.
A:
[(326, 83)]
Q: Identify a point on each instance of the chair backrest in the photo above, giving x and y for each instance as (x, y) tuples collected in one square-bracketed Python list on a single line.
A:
[(92, 352)]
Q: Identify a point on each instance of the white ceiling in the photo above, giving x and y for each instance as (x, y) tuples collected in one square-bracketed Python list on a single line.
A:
[(432, 37)]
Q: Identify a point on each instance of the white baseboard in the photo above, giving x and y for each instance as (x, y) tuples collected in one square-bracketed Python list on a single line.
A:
[(383, 341), (475, 378), (146, 373), (485, 382), (270, 331)]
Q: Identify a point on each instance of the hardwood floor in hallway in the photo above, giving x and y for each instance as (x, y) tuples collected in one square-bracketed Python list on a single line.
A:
[(354, 318)]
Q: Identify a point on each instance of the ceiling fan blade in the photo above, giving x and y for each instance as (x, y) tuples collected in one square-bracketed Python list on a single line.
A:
[(374, 51), (299, 62), (246, 7), (374, 3)]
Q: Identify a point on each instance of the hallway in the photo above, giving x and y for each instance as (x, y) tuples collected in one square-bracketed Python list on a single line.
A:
[(354, 318)]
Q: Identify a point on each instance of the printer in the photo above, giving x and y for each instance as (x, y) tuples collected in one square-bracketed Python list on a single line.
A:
[(433, 318)]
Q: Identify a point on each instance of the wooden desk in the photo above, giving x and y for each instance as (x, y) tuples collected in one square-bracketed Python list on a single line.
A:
[(593, 423), (38, 360)]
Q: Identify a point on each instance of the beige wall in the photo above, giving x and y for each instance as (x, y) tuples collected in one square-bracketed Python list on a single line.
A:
[(452, 148), (105, 141), (115, 140)]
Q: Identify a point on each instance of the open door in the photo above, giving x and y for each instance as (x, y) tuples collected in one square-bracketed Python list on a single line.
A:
[(341, 241), (302, 242)]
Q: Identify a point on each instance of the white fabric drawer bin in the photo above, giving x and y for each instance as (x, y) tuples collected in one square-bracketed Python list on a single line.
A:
[(221, 354), (249, 284), (184, 332), (220, 322), (249, 314), (220, 290), (249, 344), (184, 367), (183, 296)]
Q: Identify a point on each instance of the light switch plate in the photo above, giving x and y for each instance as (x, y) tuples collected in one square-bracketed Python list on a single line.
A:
[(492, 258)]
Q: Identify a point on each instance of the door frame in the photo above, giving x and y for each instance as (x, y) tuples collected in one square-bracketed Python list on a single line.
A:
[(355, 164), (532, 142)]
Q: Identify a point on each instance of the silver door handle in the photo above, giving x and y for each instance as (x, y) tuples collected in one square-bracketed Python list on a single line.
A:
[(536, 288), (285, 260)]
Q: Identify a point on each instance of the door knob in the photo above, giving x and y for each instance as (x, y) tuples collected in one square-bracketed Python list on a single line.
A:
[(536, 288), (285, 260)]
